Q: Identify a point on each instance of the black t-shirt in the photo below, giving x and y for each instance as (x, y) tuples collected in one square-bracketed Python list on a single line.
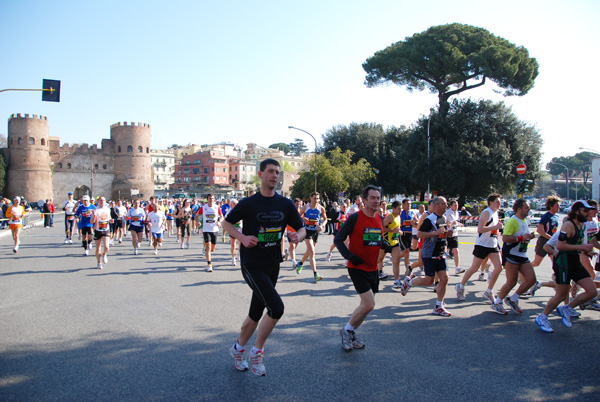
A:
[(265, 218), (434, 247)]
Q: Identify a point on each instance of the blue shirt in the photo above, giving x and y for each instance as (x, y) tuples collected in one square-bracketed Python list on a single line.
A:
[(85, 215), (406, 227), (550, 222)]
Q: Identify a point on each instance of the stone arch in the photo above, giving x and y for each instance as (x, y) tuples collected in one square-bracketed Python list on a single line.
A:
[(129, 148), (31, 141), (140, 149), (43, 141), (81, 191)]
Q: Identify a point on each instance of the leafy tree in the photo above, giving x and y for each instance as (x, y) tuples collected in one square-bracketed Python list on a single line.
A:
[(383, 149), (579, 164), (297, 147), (336, 173), (450, 59), (474, 150), (281, 146)]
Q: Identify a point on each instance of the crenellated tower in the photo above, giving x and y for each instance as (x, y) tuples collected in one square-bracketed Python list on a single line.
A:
[(29, 172), (133, 165)]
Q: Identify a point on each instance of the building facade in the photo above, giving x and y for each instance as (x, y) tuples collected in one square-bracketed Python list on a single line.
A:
[(40, 168)]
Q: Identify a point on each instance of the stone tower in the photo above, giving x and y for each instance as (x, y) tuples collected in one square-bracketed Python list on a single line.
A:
[(133, 165), (28, 170)]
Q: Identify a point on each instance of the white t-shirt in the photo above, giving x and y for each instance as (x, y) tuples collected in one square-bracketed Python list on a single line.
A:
[(156, 219), (137, 216), (210, 217), (69, 207), (489, 239), (452, 222), (102, 218)]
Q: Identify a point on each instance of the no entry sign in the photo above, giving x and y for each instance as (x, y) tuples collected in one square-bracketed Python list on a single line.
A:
[(521, 169)]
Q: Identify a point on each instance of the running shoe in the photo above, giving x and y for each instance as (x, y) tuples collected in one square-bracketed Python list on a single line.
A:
[(209, 269), (347, 339), (499, 309), (105, 259), (99, 266), (408, 271), (356, 343), (489, 295), (513, 305), (70, 241), (155, 252), (120, 241), (459, 270), (89, 246), (233, 261), (66, 241), (572, 312), (543, 323), (84, 253), (298, 268), (257, 363), (397, 285), (182, 245), (404, 288), (535, 288), (287, 255), (593, 305), (135, 251), (328, 258), (441, 311), (482, 277), (317, 277), (382, 275), (241, 364), (565, 316), (460, 292), (187, 245), (17, 249)]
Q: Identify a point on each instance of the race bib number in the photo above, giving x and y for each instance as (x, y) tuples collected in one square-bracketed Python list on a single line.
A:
[(494, 233), (70, 217), (210, 218), (102, 225), (87, 214), (312, 223), (372, 237), (269, 237), (135, 218)]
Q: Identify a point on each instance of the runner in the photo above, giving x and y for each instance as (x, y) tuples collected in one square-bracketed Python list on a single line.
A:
[(364, 229), (15, 214), (383, 212), (515, 239), (414, 245), (546, 228), (136, 217), (407, 218), (84, 214), (157, 220), (314, 222), (423, 215), (69, 208), (225, 208), (169, 213), (211, 217), (264, 217), (453, 222), (339, 222), (121, 213), (292, 249), (391, 243), (101, 219), (591, 228), (232, 240), (354, 208), (567, 266), (433, 231), (486, 245), (185, 216)]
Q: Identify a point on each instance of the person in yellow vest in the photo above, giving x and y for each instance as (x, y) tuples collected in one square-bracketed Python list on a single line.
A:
[(15, 214)]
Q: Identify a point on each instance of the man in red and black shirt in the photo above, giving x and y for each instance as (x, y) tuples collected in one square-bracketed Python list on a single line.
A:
[(364, 229)]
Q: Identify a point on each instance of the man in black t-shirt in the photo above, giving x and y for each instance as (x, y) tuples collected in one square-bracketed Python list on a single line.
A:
[(265, 216)]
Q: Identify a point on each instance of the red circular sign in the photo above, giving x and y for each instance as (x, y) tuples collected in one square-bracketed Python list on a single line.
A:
[(521, 169)]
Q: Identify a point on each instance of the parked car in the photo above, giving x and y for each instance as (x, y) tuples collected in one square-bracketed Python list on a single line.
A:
[(535, 218)]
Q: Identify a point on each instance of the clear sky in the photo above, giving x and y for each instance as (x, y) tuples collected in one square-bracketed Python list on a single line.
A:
[(240, 71)]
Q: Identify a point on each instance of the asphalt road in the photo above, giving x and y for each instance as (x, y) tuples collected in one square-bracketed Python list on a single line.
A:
[(153, 328)]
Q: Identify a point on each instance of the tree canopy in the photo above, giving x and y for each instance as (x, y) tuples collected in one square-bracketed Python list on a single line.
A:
[(450, 59), (578, 164), (281, 146), (335, 173), (297, 147)]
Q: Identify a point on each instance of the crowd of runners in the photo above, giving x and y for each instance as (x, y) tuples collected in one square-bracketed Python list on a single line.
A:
[(365, 232)]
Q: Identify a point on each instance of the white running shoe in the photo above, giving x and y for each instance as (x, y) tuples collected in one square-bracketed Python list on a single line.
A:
[(489, 295), (187, 245), (155, 252), (482, 277), (257, 363), (328, 258), (135, 251), (459, 270), (566, 317), (70, 241), (209, 269), (460, 292), (99, 266), (85, 252), (66, 241), (543, 323), (233, 261), (105, 259), (182, 245), (241, 364)]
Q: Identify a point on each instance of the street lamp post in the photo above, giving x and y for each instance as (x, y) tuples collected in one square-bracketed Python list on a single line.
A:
[(299, 129), (567, 169), (428, 159)]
